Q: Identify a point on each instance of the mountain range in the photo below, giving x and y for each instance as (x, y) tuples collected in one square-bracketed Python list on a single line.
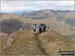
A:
[(60, 21), (17, 37)]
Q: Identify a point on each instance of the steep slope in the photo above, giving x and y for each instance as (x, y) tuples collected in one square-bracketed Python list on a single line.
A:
[(52, 42), (41, 44), (25, 43), (11, 23)]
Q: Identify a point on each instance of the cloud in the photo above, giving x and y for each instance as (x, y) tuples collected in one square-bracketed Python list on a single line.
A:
[(37, 0), (12, 6)]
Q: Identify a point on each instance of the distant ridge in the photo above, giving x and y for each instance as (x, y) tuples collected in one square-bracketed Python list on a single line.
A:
[(60, 21)]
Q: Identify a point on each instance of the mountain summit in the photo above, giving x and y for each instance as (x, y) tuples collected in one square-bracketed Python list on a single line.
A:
[(47, 43)]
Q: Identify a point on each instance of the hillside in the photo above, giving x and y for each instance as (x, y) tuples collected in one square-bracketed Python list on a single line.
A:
[(25, 43), (47, 43), (11, 23), (60, 21), (52, 42), (64, 16)]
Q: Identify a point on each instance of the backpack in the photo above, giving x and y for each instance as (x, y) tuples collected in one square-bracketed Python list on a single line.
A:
[(42, 26)]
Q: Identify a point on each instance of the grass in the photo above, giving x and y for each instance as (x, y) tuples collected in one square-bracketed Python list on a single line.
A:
[(52, 43), (26, 43)]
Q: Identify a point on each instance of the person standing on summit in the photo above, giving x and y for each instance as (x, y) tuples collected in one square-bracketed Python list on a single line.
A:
[(44, 29), (34, 28), (40, 29)]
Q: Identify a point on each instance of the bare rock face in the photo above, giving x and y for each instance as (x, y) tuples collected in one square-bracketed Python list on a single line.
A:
[(10, 26), (9, 42), (20, 29)]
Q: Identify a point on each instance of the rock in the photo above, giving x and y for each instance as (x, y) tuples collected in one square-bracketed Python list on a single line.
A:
[(21, 29), (9, 42)]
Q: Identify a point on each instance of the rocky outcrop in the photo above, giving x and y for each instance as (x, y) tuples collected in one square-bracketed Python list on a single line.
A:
[(10, 26), (9, 42)]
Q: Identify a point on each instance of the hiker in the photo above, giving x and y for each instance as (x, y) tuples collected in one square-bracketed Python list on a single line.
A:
[(44, 29), (34, 28), (40, 29)]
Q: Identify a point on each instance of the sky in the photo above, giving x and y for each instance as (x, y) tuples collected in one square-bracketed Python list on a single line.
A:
[(14, 6)]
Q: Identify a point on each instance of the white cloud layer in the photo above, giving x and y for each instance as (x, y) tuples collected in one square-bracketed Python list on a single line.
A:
[(13, 6)]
